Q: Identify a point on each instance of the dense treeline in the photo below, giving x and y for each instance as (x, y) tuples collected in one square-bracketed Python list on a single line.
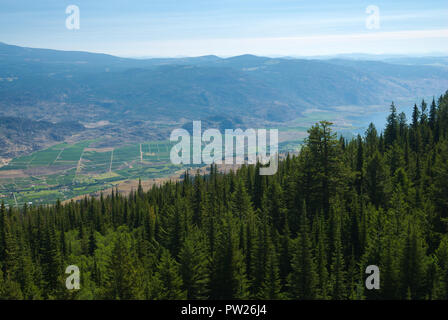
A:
[(307, 232)]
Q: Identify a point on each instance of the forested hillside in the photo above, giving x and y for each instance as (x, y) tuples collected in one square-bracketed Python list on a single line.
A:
[(307, 232)]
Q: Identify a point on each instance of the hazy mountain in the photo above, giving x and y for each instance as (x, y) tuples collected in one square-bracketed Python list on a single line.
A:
[(52, 85)]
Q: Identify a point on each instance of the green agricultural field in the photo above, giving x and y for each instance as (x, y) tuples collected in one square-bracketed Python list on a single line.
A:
[(66, 170), (156, 151), (125, 156), (71, 153), (72, 169), (44, 158), (95, 162)]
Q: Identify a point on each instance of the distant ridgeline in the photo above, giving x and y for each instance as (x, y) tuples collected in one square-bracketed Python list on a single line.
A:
[(308, 232)]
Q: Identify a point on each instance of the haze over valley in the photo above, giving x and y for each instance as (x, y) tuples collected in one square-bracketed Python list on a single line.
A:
[(124, 100)]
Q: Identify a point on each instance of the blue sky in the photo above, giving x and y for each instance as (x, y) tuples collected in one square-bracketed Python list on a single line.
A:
[(155, 28)]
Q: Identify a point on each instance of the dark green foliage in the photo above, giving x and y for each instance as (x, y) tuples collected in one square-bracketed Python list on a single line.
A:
[(167, 280), (302, 280), (228, 270), (194, 265), (121, 274)]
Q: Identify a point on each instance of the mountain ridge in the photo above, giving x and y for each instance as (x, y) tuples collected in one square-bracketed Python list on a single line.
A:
[(53, 86)]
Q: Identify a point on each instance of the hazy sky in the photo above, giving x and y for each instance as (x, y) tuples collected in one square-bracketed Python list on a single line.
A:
[(228, 27)]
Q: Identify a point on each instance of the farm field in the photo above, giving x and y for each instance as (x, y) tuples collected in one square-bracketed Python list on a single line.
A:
[(65, 171)]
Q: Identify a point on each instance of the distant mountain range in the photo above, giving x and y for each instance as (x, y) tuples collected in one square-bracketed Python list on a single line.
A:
[(55, 86), (434, 59)]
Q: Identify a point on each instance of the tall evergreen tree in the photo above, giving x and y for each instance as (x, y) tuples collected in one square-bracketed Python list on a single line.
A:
[(303, 278), (194, 266)]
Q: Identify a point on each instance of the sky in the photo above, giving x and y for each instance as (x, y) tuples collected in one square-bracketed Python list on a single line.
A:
[(168, 28)]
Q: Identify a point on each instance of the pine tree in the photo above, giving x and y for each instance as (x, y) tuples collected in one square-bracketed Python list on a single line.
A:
[(439, 189), (413, 267), (197, 199), (259, 256), (391, 131), (423, 113), (323, 164), (194, 266), (228, 275), (168, 281), (92, 243), (51, 261), (11, 249), (121, 274), (271, 287), (338, 273), (389, 270), (433, 115), (241, 204), (2, 231), (26, 274), (371, 140), (303, 278), (321, 259), (415, 117), (376, 179), (359, 165)]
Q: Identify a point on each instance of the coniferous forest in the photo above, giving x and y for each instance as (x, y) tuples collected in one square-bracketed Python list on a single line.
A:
[(307, 232)]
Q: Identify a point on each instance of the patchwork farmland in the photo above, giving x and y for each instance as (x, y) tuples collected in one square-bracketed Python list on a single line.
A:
[(66, 170)]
